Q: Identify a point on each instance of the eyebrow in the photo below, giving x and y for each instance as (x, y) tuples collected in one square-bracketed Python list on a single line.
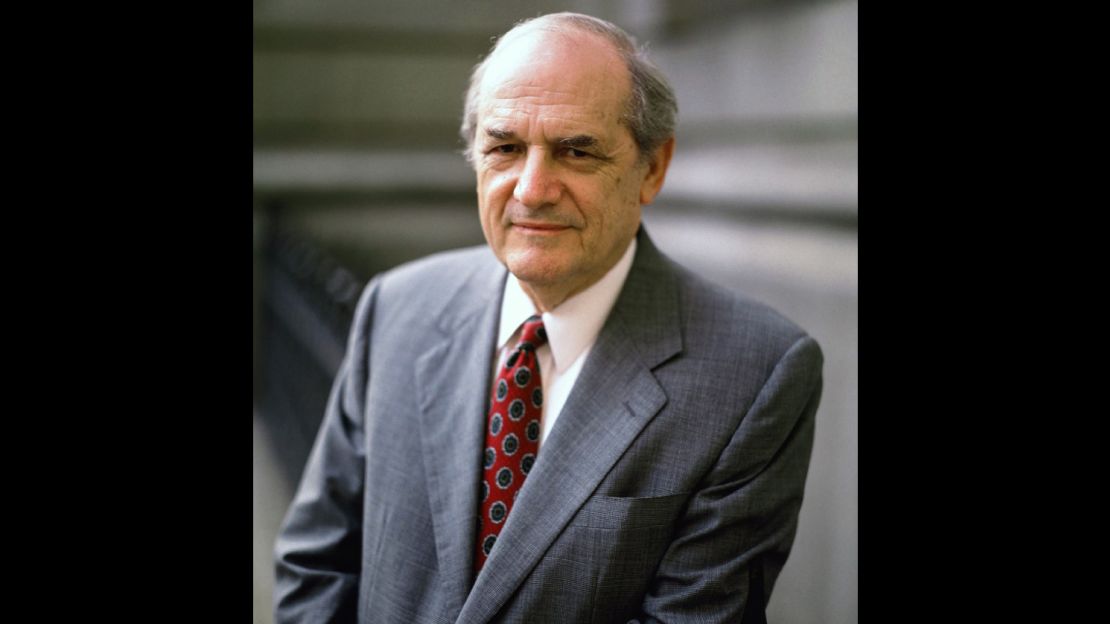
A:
[(499, 134), (579, 141)]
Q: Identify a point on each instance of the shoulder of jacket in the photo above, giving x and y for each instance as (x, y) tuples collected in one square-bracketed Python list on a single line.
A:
[(444, 265), (425, 284), (708, 304)]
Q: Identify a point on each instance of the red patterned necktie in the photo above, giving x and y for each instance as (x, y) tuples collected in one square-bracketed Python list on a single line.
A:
[(512, 435)]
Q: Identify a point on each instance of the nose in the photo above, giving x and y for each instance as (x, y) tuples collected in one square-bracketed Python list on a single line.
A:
[(538, 184)]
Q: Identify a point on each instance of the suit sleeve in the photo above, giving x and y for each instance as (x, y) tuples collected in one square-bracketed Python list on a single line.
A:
[(318, 550), (734, 537)]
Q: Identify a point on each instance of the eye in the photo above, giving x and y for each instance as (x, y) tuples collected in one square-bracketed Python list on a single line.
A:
[(577, 153), (505, 148)]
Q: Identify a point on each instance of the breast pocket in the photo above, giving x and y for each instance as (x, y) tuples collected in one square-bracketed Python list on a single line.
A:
[(617, 543), (625, 532), (619, 512)]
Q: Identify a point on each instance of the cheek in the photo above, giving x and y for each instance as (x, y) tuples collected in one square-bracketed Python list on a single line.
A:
[(612, 208), (620, 214), (496, 190), (487, 197)]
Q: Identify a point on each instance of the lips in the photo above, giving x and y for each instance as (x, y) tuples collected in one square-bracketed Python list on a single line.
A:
[(540, 226)]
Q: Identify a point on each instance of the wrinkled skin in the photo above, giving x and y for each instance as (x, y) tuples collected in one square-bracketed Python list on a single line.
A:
[(560, 182)]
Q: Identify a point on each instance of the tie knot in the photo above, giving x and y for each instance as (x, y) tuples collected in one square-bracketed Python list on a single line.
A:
[(533, 336)]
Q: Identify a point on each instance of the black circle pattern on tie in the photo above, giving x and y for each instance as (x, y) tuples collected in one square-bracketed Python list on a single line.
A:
[(516, 409), (512, 434), (510, 444), (497, 512), (522, 376)]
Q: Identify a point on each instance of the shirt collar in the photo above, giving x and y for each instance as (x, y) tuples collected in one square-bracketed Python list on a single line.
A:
[(575, 323)]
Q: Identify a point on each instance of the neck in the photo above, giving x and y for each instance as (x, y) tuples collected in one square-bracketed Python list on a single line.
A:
[(547, 299)]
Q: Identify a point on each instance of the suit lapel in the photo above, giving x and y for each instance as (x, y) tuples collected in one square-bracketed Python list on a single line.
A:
[(453, 393), (615, 396)]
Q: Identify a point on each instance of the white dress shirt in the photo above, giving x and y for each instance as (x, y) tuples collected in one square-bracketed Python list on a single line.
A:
[(572, 328)]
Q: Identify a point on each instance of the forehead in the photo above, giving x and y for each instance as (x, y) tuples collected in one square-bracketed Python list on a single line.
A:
[(558, 78)]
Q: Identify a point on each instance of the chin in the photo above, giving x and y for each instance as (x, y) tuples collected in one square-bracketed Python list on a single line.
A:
[(536, 267)]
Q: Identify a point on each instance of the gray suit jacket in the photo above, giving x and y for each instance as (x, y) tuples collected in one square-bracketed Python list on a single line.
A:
[(668, 490)]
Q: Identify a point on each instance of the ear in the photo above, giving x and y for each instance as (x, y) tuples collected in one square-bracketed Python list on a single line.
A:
[(657, 170)]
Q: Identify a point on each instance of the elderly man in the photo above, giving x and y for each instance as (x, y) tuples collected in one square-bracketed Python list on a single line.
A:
[(563, 426)]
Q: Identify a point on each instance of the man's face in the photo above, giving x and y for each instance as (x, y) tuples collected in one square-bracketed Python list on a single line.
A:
[(560, 184)]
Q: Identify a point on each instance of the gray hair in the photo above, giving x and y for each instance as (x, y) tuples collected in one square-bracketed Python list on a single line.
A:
[(651, 108)]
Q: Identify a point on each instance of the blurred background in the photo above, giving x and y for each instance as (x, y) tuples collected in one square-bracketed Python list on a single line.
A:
[(356, 169)]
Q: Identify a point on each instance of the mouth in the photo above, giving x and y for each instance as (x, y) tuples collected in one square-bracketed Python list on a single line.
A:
[(536, 227)]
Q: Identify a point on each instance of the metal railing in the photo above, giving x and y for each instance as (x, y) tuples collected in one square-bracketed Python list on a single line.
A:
[(308, 301)]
